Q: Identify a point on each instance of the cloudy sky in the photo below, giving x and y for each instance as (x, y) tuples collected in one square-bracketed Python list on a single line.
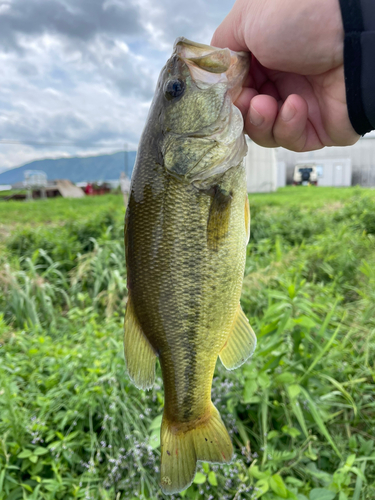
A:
[(77, 76)]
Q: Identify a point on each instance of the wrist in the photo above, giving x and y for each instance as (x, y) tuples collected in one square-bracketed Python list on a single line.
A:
[(359, 25)]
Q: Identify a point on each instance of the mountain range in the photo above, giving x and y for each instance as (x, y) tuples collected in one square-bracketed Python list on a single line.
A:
[(77, 169)]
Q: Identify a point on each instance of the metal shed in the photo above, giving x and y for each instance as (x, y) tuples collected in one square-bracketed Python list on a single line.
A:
[(66, 189), (361, 156), (62, 187), (261, 169), (332, 172)]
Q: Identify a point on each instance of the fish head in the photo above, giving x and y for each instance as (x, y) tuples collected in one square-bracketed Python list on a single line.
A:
[(201, 129)]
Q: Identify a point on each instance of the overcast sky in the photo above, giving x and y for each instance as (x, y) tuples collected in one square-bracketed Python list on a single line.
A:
[(83, 72)]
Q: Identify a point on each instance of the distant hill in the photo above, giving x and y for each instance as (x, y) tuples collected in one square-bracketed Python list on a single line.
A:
[(90, 168)]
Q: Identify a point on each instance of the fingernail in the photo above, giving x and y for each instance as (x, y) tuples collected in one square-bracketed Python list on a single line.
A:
[(256, 118), (288, 112)]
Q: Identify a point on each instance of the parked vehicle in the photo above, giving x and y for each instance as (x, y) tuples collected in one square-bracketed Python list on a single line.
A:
[(305, 175)]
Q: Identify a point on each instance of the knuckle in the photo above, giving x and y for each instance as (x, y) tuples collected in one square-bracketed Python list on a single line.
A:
[(290, 138)]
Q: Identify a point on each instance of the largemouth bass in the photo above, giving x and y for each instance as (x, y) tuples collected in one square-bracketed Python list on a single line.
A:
[(186, 231)]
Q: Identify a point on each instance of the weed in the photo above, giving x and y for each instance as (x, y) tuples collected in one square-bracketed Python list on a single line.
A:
[(301, 413)]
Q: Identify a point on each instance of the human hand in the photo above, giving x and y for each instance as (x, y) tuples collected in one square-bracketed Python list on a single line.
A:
[(295, 93)]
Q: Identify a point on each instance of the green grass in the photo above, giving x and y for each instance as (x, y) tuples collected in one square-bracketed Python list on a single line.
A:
[(301, 413), (63, 210), (310, 196), (8, 192), (55, 210)]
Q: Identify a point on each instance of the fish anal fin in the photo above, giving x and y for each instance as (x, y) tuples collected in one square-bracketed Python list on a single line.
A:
[(241, 342), (182, 446), (139, 355)]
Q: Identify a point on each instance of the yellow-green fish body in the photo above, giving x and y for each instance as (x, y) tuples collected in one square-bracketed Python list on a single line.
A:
[(187, 227)]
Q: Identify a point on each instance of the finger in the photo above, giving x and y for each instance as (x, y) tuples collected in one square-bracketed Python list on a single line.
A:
[(229, 33), (292, 129), (244, 99), (261, 80), (260, 120), (269, 88), (258, 72), (249, 80)]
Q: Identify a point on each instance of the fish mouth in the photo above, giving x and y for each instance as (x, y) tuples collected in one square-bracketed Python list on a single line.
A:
[(202, 156), (210, 65)]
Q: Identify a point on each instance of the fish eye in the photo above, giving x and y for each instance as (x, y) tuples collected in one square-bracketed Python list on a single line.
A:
[(173, 89)]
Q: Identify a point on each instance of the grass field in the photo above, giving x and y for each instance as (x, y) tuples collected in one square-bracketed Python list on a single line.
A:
[(62, 210), (301, 413), (57, 209)]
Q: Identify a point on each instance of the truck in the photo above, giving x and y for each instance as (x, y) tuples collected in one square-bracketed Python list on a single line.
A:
[(305, 175)]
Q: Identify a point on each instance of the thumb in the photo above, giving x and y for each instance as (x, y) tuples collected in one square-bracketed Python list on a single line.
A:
[(230, 32)]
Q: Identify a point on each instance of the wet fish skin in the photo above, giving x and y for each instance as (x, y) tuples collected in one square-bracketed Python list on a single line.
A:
[(187, 227)]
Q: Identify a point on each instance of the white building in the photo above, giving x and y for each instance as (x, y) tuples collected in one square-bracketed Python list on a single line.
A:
[(334, 163), (263, 172)]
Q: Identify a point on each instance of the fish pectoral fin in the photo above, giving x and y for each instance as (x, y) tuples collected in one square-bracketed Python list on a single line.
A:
[(241, 342), (207, 440), (218, 219), (139, 355)]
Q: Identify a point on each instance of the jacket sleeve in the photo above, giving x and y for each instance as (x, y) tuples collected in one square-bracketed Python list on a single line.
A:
[(359, 62)]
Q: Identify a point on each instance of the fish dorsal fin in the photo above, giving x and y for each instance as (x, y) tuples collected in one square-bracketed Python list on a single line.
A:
[(139, 355), (241, 342)]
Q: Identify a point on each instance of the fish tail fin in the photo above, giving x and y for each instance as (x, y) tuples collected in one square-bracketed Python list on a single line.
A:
[(181, 447), (178, 458), (211, 439)]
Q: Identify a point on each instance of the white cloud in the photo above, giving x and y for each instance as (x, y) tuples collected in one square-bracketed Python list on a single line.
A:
[(82, 74)]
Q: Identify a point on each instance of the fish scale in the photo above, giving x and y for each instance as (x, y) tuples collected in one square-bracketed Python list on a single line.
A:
[(186, 237)]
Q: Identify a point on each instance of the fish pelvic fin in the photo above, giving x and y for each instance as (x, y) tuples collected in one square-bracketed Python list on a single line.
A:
[(182, 446), (241, 342), (139, 355)]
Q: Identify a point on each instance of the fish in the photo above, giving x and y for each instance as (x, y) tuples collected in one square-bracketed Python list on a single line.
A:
[(187, 226)]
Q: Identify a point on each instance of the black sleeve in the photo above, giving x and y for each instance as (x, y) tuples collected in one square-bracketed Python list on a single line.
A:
[(359, 62)]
